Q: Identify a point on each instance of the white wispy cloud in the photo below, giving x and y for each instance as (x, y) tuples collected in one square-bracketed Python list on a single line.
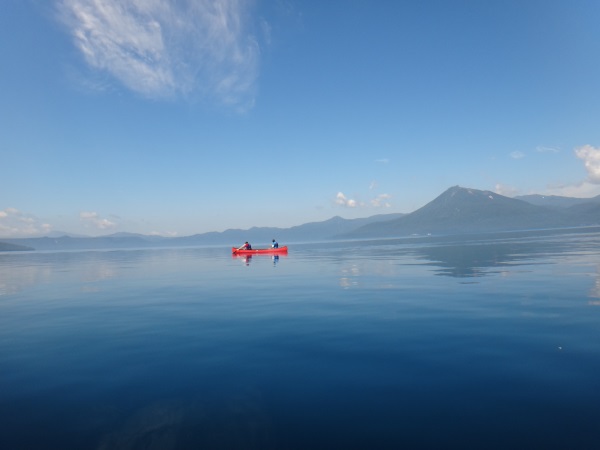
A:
[(93, 220), (591, 159), (544, 149), (381, 201), (342, 200), (517, 155), (382, 160), (15, 223), (163, 48)]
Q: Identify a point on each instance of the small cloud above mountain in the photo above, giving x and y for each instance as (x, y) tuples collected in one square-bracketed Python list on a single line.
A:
[(93, 220), (15, 223), (342, 200)]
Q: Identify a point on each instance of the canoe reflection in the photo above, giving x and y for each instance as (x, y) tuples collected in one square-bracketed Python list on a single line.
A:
[(247, 258)]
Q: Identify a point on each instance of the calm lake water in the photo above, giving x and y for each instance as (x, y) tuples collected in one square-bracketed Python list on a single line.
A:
[(487, 342)]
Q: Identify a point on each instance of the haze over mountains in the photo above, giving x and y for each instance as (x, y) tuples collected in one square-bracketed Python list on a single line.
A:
[(458, 210)]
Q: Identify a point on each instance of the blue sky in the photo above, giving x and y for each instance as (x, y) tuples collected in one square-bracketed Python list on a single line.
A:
[(182, 117)]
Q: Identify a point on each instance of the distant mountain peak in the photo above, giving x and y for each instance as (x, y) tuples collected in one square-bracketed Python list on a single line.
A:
[(458, 190), (463, 199), (460, 210)]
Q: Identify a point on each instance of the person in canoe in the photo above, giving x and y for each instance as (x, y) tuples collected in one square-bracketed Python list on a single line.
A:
[(274, 244), (246, 246)]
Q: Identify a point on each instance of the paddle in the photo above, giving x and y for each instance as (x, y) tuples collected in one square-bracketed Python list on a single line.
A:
[(242, 248)]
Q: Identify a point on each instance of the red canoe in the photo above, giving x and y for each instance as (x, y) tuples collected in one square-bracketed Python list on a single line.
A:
[(269, 251)]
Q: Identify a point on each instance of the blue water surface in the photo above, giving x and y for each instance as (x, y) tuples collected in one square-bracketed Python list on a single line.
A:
[(488, 341)]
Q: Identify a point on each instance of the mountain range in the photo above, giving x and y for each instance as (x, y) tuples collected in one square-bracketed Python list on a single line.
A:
[(458, 210)]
